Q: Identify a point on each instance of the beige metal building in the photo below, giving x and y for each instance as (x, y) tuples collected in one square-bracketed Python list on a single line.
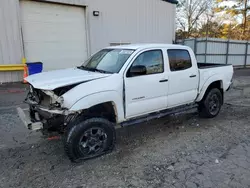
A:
[(63, 33)]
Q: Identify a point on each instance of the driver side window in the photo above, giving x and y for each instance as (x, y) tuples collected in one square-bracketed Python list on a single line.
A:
[(151, 60)]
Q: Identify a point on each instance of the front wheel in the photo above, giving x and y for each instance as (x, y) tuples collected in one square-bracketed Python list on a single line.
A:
[(89, 138), (210, 106)]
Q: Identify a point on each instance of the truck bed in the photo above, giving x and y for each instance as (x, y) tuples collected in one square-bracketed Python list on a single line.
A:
[(210, 65), (222, 72)]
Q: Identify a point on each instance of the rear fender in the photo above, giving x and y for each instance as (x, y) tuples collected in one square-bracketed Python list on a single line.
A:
[(206, 85)]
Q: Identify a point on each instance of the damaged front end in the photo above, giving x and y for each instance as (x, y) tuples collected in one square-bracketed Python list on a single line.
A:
[(46, 111)]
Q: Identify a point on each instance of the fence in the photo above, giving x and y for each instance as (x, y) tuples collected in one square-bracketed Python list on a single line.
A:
[(213, 50)]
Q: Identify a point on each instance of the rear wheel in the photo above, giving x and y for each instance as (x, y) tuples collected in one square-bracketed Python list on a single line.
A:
[(210, 106), (90, 138)]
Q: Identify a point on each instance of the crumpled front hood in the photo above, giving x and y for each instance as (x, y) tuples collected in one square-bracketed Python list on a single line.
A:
[(59, 78)]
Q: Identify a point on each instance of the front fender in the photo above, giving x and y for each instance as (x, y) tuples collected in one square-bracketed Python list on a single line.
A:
[(99, 98)]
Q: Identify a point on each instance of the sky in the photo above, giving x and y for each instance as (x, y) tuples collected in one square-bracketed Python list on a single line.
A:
[(230, 4)]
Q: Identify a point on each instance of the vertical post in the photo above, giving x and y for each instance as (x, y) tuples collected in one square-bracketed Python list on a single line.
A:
[(23, 60), (227, 51), (206, 50), (227, 48), (246, 54), (195, 46)]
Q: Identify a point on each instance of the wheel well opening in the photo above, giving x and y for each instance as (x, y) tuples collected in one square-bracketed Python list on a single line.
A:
[(104, 110), (217, 84)]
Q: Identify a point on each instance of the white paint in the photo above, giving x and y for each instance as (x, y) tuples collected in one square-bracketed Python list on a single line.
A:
[(54, 34), (208, 76), (53, 79), (180, 88), (150, 95), (99, 98), (146, 92)]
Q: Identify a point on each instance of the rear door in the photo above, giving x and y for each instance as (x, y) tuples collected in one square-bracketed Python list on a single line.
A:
[(146, 93), (183, 77)]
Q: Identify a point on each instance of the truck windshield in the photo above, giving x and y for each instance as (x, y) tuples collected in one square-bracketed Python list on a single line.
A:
[(107, 60)]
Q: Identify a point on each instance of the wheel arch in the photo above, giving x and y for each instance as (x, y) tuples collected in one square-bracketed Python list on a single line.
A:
[(108, 101), (208, 86), (106, 110)]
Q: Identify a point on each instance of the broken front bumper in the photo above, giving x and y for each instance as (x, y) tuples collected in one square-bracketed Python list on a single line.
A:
[(24, 115)]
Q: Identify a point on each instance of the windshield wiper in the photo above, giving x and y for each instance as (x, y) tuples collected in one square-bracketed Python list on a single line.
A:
[(94, 69)]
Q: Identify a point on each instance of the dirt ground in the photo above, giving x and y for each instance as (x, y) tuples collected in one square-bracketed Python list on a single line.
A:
[(175, 151)]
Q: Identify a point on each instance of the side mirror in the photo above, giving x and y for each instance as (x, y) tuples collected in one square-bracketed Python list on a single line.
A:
[(137, 70)]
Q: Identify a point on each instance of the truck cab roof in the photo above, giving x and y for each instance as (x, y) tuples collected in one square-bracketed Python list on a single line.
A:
[(147, 45)]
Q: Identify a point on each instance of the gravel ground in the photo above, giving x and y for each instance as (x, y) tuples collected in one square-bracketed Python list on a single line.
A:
[(175, 151)]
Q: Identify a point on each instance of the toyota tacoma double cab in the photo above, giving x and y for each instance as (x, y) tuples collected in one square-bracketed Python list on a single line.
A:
[(120, 86)]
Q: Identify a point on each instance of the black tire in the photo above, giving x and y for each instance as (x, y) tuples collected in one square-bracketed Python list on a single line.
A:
[(210, 105), (84, 137)]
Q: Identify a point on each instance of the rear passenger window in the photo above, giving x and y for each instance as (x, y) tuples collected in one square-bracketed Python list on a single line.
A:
[(179, 60)]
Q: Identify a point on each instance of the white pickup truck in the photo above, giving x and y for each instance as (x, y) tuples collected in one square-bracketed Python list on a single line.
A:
[(121, 85)]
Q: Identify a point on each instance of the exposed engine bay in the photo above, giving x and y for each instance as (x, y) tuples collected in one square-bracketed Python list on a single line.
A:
[(48, 111), (46, 107)]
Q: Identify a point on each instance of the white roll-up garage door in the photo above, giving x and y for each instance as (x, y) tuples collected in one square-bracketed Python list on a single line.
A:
[(53, 34)]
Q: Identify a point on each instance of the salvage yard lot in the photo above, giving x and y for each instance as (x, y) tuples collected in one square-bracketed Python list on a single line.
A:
[(176, 151)]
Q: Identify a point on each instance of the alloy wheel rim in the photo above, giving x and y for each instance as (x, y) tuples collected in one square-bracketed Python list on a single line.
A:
[(214, 104), (93, 141)]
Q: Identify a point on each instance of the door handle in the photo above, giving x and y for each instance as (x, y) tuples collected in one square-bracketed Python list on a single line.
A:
[(192, 76), (166, 80)]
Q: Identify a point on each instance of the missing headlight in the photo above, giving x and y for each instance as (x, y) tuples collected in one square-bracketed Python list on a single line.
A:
[(61, 90)]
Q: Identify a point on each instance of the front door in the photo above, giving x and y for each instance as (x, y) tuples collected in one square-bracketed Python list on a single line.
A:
[(147, 92)]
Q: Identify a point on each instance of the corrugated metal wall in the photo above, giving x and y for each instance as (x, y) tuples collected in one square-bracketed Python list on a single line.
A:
[(127, 21), (70, 2), (10, 39), (213, 50), (133, 22), (120, 21)]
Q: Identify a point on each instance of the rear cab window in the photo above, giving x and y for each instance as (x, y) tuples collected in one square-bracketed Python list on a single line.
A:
[(179, 59)]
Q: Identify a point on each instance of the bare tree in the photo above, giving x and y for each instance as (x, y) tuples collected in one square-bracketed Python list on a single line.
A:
[(190, 13)]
